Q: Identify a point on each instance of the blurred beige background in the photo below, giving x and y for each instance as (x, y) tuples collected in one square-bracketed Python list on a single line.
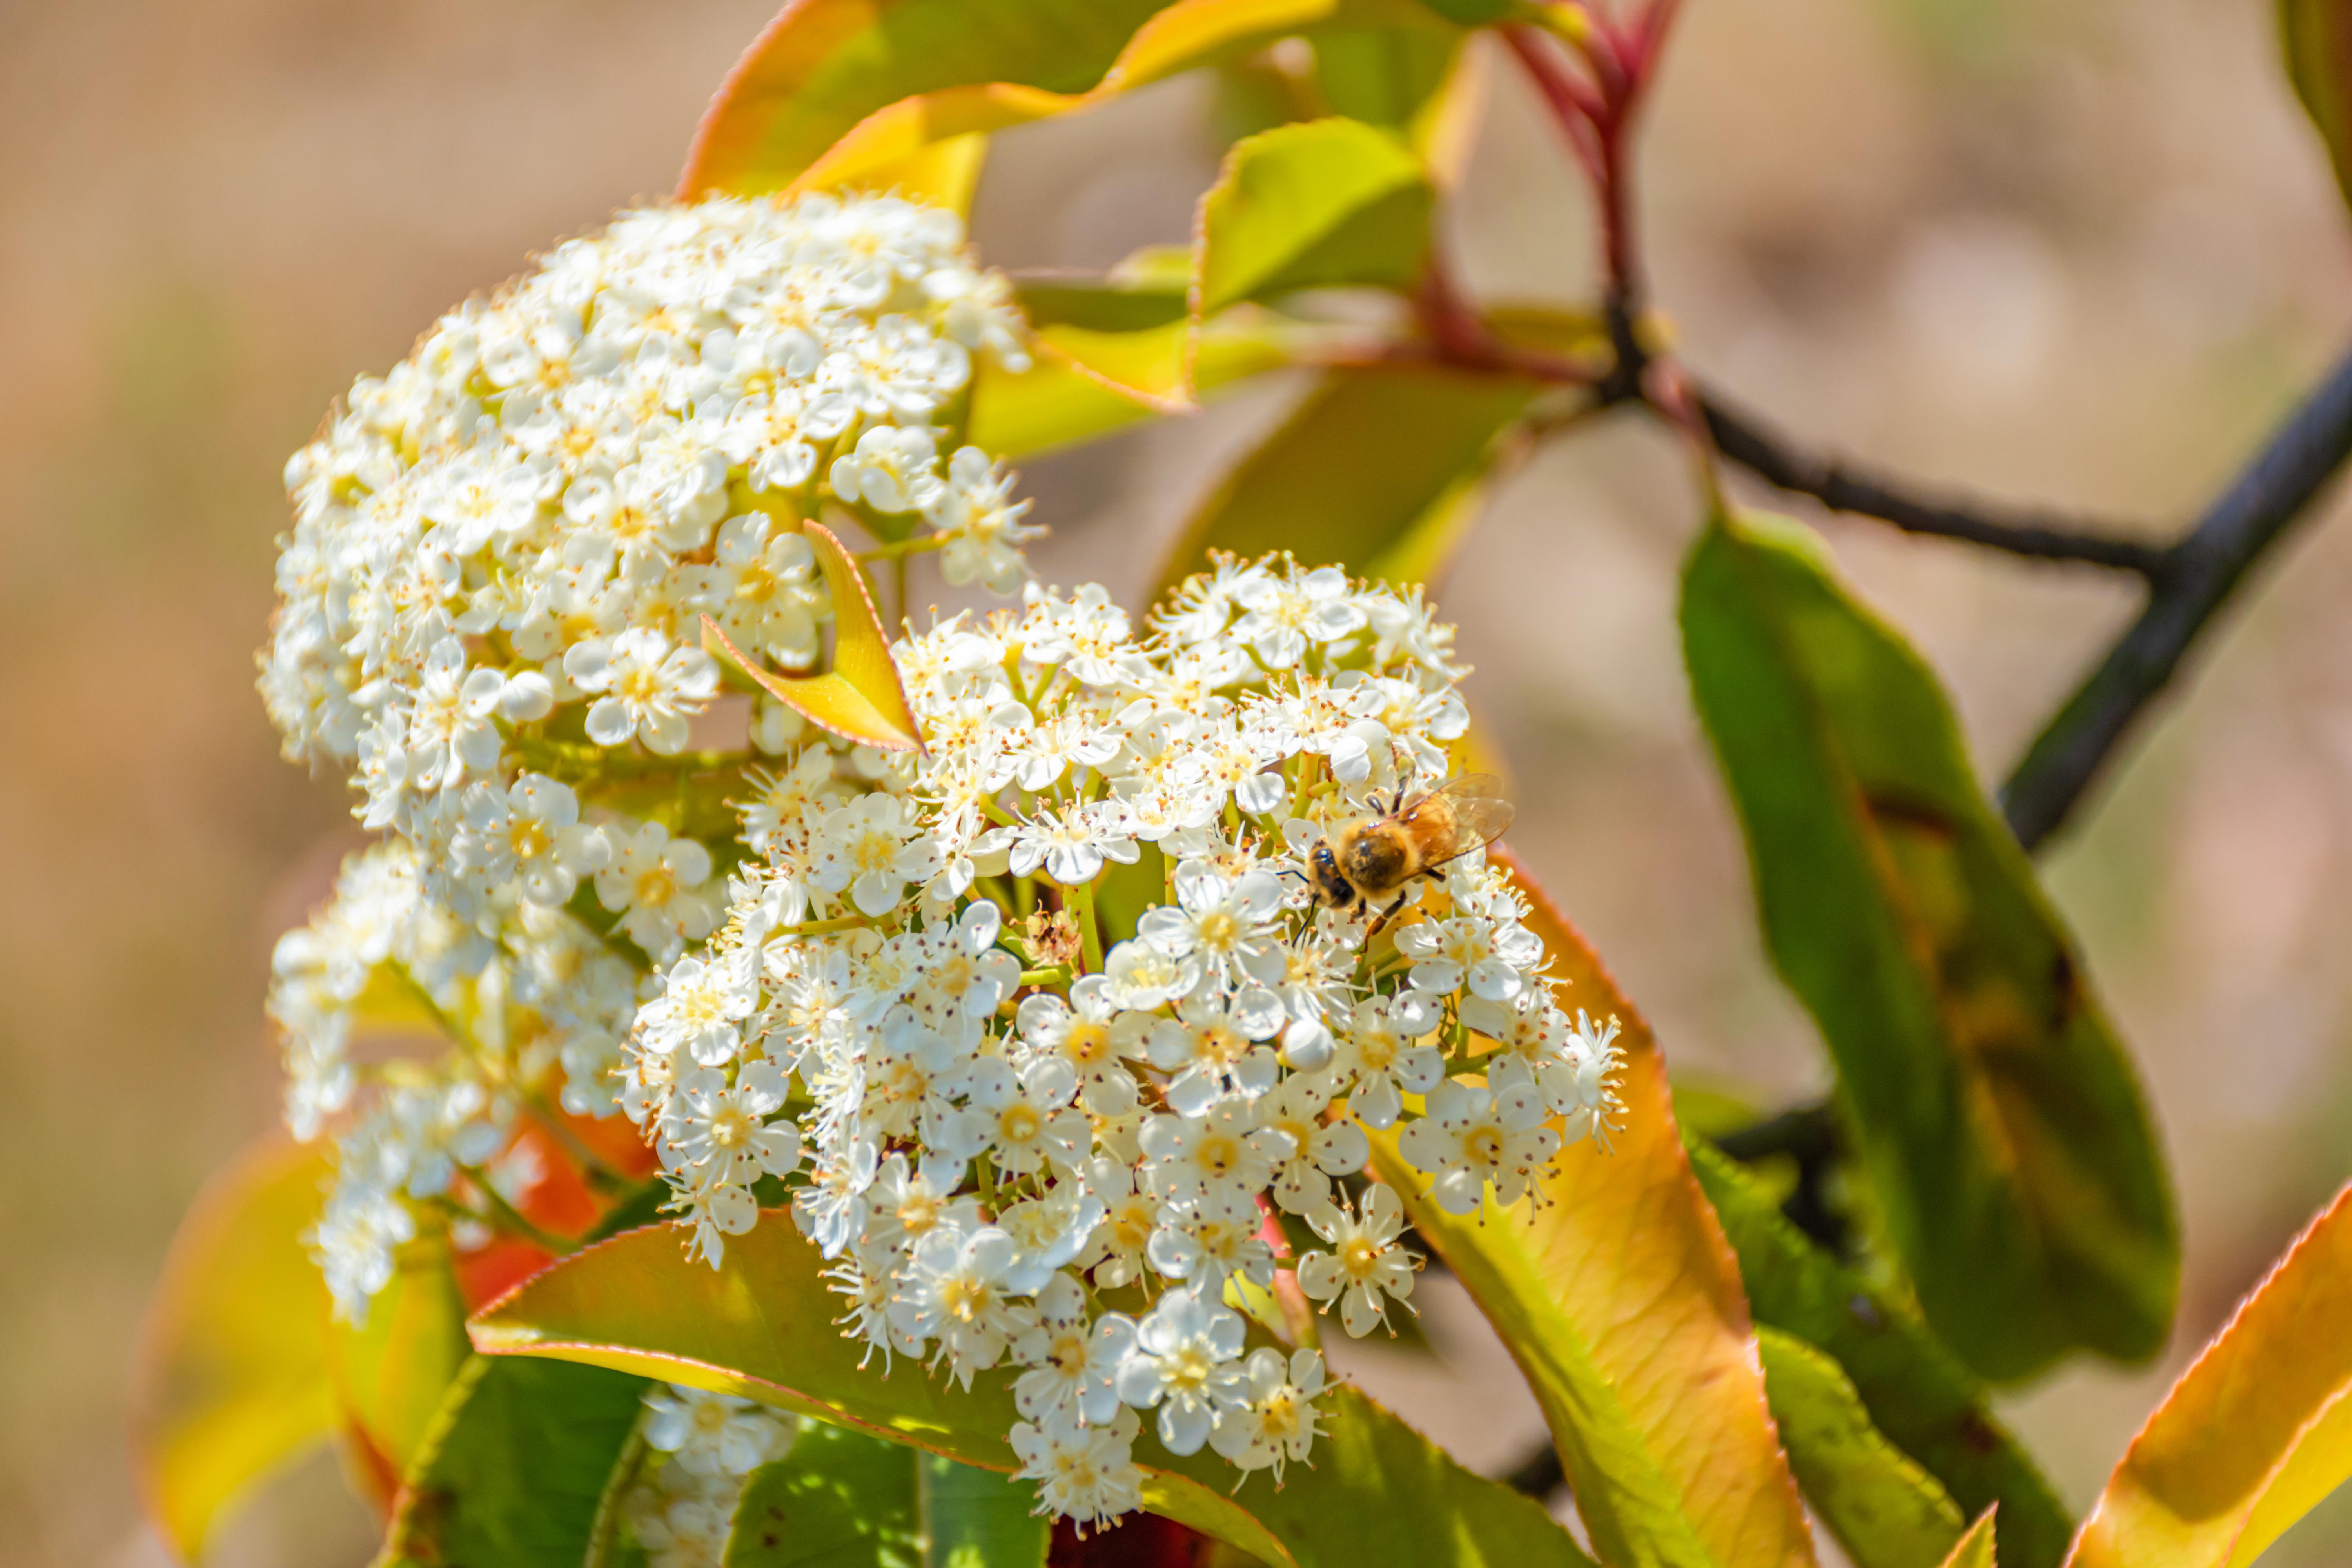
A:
[(2080, 252)]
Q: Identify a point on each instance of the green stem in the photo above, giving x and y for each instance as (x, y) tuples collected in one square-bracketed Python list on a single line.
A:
[(1081, 902), (600, 1174), (821, 927), (922, 545), (508, 1217)]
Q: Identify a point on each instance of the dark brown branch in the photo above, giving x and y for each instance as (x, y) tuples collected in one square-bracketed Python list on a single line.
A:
[(1841, 487), (2201, 573)]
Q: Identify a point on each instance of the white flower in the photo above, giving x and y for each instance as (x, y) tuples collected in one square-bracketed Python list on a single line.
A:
[(1223, 1150), (719, 1131), (1210, 1048), (982, 524), (1186, 1363), (1088, 1474), (1208, 1239), (1380, 1054), (867, 846), (656, 884), (1285, 615), (529, 835), (1226, 921), (1074, 1361), (700, 1009), (1365, 1267), (1026, 1119), (713, 1434), (1071, 843), (1277, 1421), (1142, 975), (959, 1291), (1318, 1151), (650, 688), (891, 469), (1472, 1137), (1092, 1033), (1491, 960)]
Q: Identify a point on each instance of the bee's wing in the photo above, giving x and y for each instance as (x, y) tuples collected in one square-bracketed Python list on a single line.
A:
[(1471, 810)]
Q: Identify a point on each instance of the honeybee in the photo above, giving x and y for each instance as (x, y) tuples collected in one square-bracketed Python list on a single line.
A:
[(1360, 864)]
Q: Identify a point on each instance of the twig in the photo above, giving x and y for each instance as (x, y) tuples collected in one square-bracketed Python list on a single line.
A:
[(2202, 572), (1765, 454)]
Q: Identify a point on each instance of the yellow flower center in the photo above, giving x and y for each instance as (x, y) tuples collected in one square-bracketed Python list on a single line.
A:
[(732, 1128), (1086, 1043), (1020, 1123)]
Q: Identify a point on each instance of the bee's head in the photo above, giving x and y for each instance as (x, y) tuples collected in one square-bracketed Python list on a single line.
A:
[(1323, 871)]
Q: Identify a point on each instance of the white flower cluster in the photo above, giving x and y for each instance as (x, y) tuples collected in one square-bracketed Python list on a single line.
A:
[(703, 1450), (502, 550), (489, 618), (1042, 1031)]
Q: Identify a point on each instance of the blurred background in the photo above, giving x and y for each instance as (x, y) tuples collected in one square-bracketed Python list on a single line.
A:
[(2085, 253)]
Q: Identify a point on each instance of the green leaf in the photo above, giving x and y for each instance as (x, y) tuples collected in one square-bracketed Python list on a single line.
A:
[(1995, 1110), (860, 697), (2318, 36), (763, 1326), (841, 1498), (390, 1373), (978, 1519), (1302, 207), (1378, 471), (232, 1371), (1920, 1394), (1621, 1306), (516, 1467), (1883, 1508), (2256, 1432)]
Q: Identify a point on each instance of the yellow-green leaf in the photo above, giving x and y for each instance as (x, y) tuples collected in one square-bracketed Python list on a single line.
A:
[(2256, 1432), (2317, 35), (390, 1373), (1621, 1302), (838, 92), (1328, 202), (763, 1326), (1920, 1394), (1084, 382), (1883, 1508), (1996, 1112), (1976, 1548), (232, 1374), (1378, 471), (860, 698)]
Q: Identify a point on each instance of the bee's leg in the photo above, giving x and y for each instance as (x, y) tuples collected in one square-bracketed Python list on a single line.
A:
[(1385, 916)]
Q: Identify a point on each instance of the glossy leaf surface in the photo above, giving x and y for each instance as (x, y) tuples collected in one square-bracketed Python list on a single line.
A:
[(232, 1378), (2256, 1432), (860, 698), (1378, 471), (1301, 206), (978, 1519), (1996, 1112), (515, 1467), (848, 91), (1920, 1394), (1621, 1304), (763, 1326), (2318, 36), (841, 1498), (1884, 1510)]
